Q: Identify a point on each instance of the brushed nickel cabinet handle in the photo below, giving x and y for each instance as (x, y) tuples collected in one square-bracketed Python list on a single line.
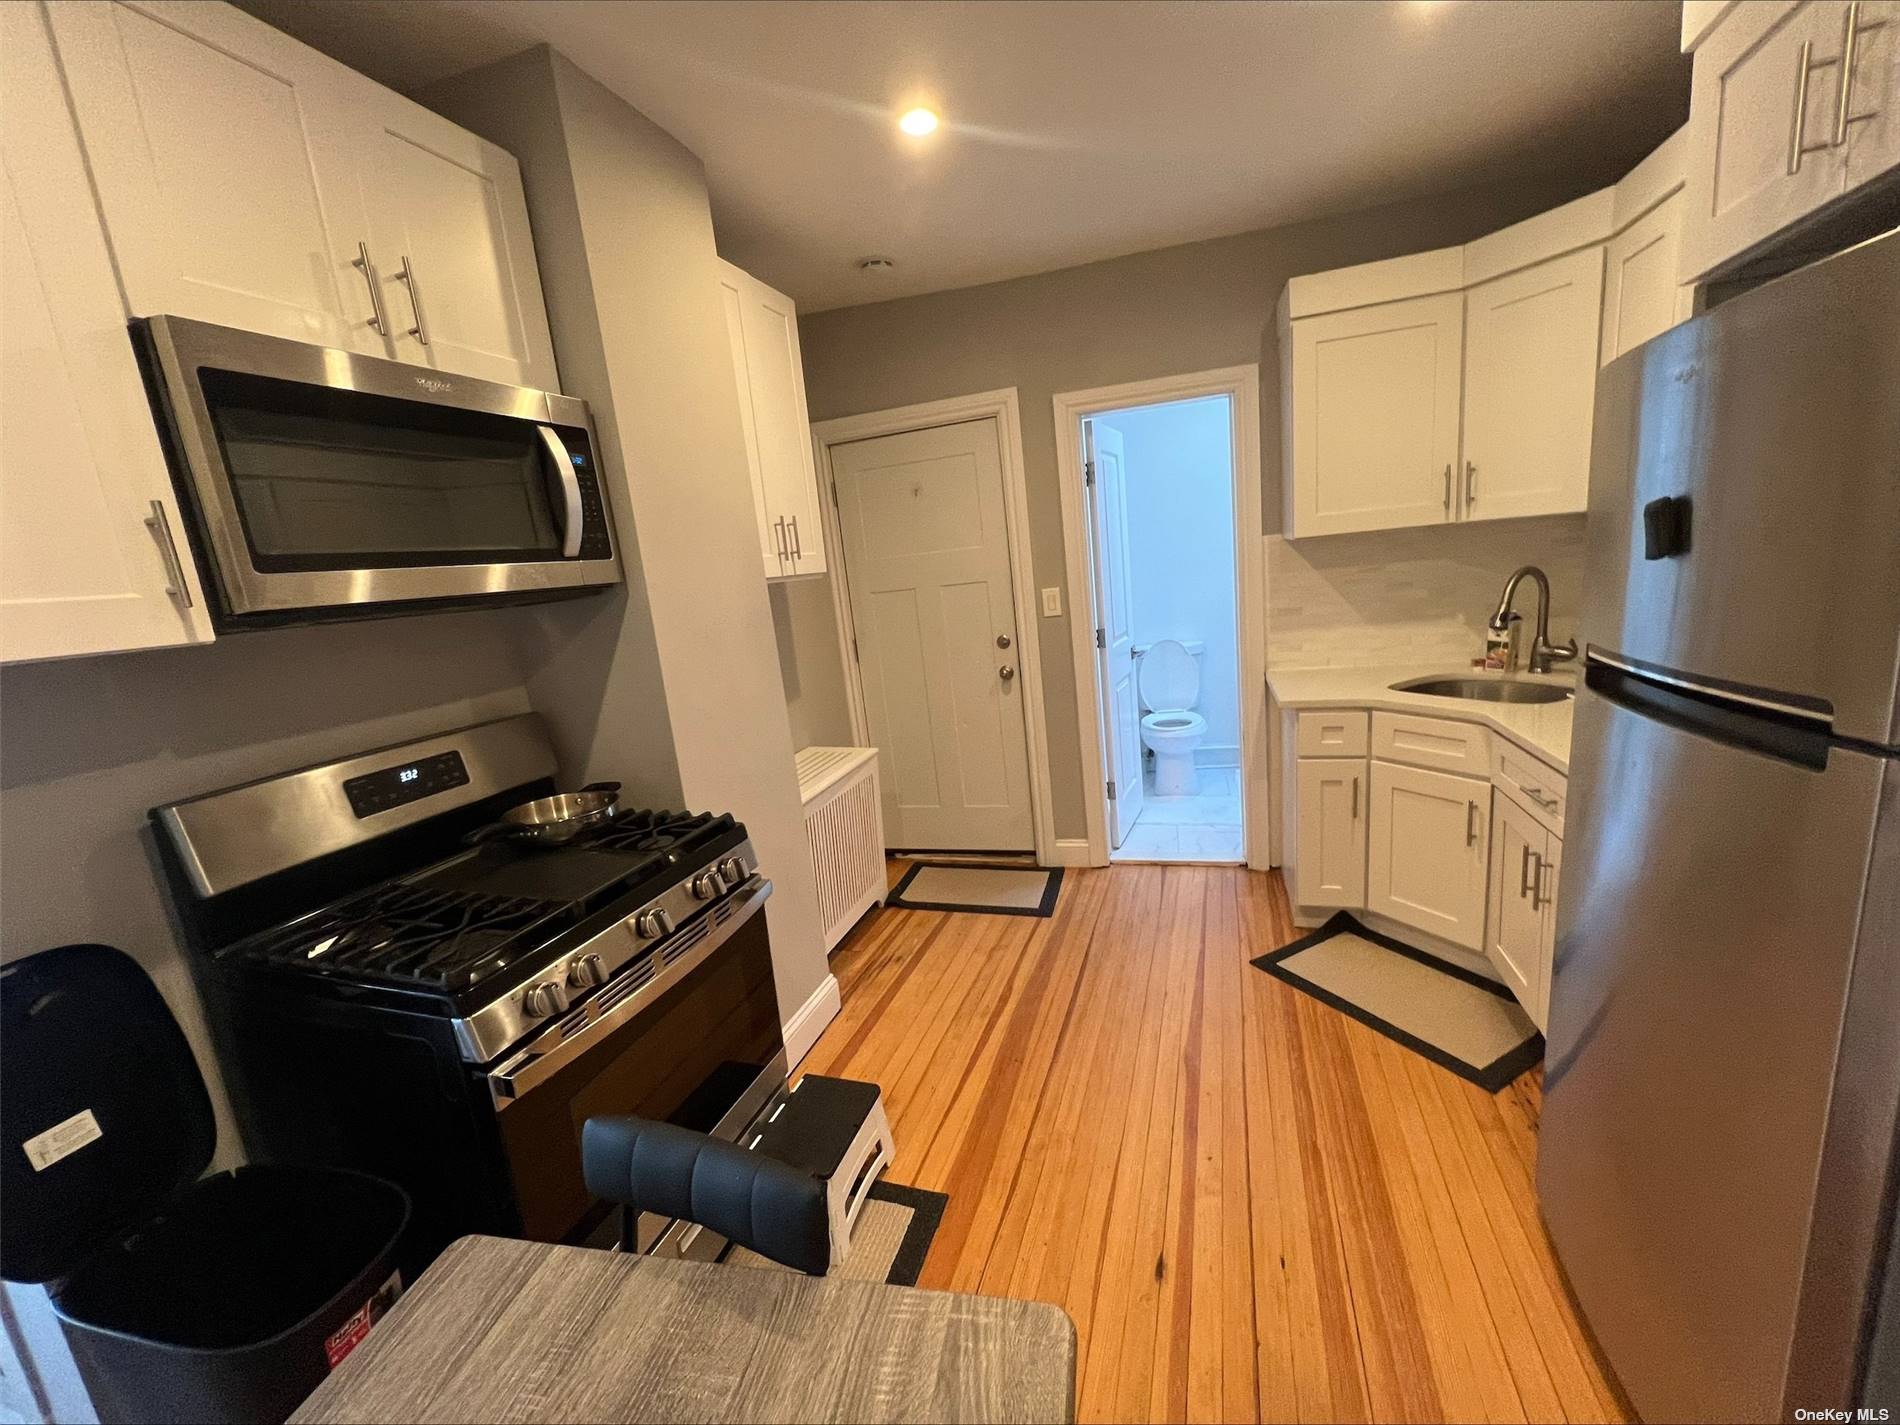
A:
[(160, 524), (1447, 489), (1524, 875), (1355, 799), (798, 549), (407, 276), (378, 319), (1471, 823), (1471, 484), (1538, 898)]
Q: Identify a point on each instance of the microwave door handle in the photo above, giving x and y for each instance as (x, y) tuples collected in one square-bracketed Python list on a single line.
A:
[(570, 491)]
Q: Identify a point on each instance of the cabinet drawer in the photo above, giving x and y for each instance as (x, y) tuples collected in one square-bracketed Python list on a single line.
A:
[(1331, 733), (1532, 782), (1432, 742)]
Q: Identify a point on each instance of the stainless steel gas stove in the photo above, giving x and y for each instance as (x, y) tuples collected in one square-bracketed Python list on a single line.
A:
[(449, 1014)]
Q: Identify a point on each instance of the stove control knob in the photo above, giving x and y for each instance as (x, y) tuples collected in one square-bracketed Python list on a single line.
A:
[(706, 885), (733, 869), (652, 924), (586, 972), (548, 997)]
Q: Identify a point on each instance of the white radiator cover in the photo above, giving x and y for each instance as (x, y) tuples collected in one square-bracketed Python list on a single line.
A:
[(844, 824)]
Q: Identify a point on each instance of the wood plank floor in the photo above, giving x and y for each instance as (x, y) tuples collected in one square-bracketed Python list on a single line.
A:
[(1253, 1207)]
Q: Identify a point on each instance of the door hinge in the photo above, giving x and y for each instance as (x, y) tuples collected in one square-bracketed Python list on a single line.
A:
[(1088, 472), (1101, 638), (834, 496), (1111, 791)]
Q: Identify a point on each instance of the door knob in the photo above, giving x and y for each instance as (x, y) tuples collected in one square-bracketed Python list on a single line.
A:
[(1006, 672), (1002, 640)]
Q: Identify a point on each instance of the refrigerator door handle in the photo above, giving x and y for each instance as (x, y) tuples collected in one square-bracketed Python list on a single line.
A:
[(1795, 705), (1740, 718)]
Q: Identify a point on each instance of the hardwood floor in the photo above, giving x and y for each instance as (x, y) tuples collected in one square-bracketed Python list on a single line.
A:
[(1253, 1207)]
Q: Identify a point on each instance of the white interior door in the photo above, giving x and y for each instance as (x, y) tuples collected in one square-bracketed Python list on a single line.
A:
[(927, 560), (1114, 622)]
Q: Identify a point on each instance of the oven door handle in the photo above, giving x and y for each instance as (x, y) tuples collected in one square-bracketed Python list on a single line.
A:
[(530, 1066), (570, 491)]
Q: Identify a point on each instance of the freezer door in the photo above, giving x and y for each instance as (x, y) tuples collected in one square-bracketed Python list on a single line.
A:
[(1777, 417), (1705, 941)]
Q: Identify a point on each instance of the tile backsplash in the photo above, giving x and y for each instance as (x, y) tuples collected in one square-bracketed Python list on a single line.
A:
[(1412, 595)]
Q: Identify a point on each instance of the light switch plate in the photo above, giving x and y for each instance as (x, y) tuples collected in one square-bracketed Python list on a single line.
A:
[(1052, 603)]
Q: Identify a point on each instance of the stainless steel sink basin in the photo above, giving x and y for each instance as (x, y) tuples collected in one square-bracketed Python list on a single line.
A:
[(1486, 690)]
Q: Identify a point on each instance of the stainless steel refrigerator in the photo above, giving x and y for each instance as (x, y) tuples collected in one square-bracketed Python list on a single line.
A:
[(1722, 1080)]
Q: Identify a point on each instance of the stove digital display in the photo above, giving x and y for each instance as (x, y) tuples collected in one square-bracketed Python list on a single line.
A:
[(396, 786)]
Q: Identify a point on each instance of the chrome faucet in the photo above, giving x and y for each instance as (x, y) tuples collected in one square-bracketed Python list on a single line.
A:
[(1543, 651)]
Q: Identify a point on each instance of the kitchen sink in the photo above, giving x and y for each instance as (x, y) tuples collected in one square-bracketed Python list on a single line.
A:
[(1486, 690)]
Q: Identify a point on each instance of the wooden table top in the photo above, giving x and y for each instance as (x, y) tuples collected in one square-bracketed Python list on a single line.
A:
[(522, 1331)]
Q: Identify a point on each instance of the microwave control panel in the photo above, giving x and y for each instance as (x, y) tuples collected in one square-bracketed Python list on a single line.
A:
[(595, 543)]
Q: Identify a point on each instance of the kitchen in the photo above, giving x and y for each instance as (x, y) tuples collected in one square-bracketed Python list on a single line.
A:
[(715, 652)]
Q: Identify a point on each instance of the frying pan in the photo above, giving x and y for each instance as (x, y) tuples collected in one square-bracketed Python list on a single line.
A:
[(552, 821)]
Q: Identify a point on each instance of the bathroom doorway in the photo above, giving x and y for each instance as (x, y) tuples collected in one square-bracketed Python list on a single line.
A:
[(1163, 618)]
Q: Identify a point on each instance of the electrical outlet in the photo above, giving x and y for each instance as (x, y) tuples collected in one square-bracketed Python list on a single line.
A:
[(1052, 603)]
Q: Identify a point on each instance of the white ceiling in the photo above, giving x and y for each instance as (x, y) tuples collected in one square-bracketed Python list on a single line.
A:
[(1072, 131)]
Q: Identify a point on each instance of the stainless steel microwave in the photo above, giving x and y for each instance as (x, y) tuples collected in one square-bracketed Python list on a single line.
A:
[(321, 484)]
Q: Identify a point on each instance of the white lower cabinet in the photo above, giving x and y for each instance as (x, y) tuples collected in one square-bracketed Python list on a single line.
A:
[(1514, 927), (1331, 865), (1429, 838)]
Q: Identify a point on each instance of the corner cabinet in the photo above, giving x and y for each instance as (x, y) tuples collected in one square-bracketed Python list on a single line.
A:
[(92, 558), (1793, 105), (1460, 384), (1441, 832), (246, 179), (762, 328)]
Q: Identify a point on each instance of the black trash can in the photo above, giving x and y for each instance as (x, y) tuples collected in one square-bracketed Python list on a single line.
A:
[(222, 1298)]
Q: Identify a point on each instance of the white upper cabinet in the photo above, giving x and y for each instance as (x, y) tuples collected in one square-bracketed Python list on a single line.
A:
[(248, 180), (1642, 294), (449, 234), (1530, 388), (91, 552), (1348, 468), (762, 328), (1779, 126), (221, 161)]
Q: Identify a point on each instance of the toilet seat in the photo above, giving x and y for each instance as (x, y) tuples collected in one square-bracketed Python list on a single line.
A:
[(1168, 678), (1174, 725)]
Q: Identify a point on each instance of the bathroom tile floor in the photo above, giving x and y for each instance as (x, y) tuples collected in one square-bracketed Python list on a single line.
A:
[(1203, 827)]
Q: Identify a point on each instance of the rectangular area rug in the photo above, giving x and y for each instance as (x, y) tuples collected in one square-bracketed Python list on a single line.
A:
[(889, 1242), (986, 890), (1459, 1020)]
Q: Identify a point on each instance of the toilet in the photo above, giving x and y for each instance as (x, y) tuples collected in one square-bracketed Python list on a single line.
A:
[(1169, 681)]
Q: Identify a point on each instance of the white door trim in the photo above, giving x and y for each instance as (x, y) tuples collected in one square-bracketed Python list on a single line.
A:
[(1241, 384), (1002, 407)]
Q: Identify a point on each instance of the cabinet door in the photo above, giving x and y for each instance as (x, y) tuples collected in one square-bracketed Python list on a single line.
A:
[(81, 473), (773, 549), (784, 428), (452, 250), (218, 149), (1761, 151), (1374, 402), (1641, 297), (1547, 945), (1530, 388), (1515, 922), (1331, 856), (1429, 846), (1873, 100)]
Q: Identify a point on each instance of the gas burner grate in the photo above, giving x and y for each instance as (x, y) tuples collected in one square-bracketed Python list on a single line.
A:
[(652, 830), (412, 934)]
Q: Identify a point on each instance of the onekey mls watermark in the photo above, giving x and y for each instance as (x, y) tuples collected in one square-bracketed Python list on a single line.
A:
[(1872, 1414)]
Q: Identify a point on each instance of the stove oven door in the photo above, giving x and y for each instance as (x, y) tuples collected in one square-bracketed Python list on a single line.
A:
[(695, 1040)]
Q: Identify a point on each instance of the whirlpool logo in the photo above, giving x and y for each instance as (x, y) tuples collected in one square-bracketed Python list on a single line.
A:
[(434, 385)]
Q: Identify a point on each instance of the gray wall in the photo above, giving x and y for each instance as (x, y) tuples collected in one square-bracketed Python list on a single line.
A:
[(687, 683), (1177, 310)]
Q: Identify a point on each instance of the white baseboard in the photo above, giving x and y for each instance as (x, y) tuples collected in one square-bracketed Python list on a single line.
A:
[(1217, 757), (804, 1027), (1072, 852)]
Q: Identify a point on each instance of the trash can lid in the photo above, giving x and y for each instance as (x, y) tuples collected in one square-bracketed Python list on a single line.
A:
[(104, 1112)]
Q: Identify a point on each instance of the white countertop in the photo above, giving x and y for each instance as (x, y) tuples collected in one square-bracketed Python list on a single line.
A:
[(1542, 729)]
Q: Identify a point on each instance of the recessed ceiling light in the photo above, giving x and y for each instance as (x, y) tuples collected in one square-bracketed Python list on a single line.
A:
[(918, 122), (875, 264)]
